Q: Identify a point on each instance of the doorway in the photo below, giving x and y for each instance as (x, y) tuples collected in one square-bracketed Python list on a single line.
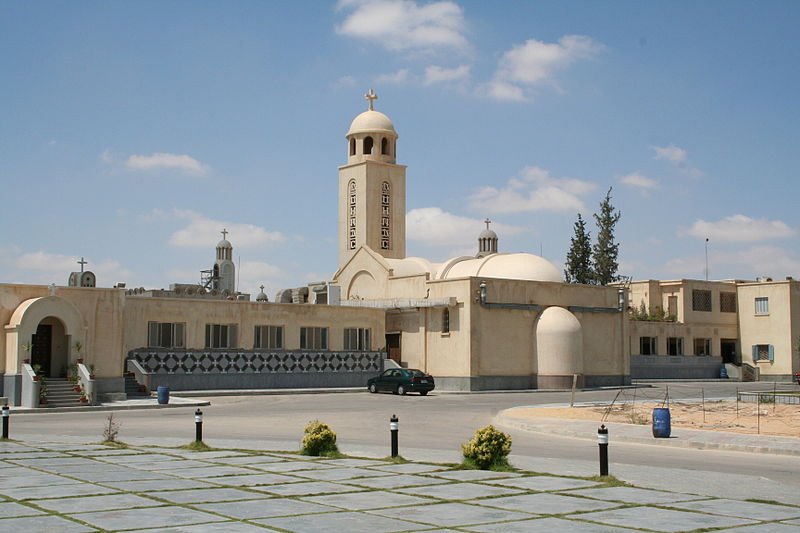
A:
[(729, 352), (42, 348), (393, 347), (49, 348)]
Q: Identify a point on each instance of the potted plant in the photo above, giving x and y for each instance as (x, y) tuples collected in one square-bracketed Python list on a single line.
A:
[(43, 393), (78, 348), (37, 372), (91, 371)]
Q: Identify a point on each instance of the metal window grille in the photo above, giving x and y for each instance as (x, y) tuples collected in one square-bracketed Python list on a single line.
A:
[(701, 300), (762, 306), (727, 302)]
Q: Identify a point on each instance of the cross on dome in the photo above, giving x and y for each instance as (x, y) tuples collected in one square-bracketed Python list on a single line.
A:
[(371, 97), (262, 288), (487, 222), (82, 262), (224, 233)]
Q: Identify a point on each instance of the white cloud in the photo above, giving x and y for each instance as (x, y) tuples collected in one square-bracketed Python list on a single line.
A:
[(252, 274), (671, 153), (106, 156), (740, 228), (742, 263), (160, 160), (535, 63), (639, 181), (405, 25), (345, 82), (436, 227), (435, 74), (202, 231), (46, 267), (401, 77), (535, 190)]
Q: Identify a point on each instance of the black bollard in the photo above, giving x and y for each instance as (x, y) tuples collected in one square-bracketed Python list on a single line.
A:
[(5, 421), (198, 425), (394, 427), (602, 443)]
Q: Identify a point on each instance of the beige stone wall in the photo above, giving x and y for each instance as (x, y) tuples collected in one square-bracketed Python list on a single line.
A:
[(779, 327), (687, 332)]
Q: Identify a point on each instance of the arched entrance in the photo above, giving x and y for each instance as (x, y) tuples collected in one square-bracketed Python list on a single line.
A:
[(50, 347)]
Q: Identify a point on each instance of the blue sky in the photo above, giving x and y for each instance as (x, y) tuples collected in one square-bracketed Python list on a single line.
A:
[(131, 133)]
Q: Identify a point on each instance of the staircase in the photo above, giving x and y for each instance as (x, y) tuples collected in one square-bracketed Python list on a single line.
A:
[(132, 387), (60, 393)]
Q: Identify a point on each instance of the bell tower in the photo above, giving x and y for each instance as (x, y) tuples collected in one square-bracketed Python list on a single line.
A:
[(372, 188)]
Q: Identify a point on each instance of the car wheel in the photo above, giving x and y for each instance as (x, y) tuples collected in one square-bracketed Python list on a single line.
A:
[(423, 393), (401, 390), (372, 388)]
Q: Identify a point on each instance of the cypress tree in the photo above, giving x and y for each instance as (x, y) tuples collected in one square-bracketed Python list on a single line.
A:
[(579, 256), (606, 249)]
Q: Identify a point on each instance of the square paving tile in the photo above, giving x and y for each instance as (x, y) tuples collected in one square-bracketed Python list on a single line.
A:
[(57, 491), (143, 458), (128, 474), (205, 495), (11, 509), (635, 495), (359, 501), (757, 511), (263, 508), (207, 471), (543, 483), (247, 460), (217, 527), (349, 522), (170, 465), (159, 484), (395, 481), (355, 463), (450, 514), (661, 519), (772, 527), (545, 503), (307, 488), (155, 517), (32, 480), (474, 475), (408, 468), (291, 466), (460, 491), (547, 525), (338, 474), (252, 480), (42, 523), (215, 454), (97, 503)]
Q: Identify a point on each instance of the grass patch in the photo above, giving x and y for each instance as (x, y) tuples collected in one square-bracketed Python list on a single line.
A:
[(610, 481), (498, 466), (399, 460), (768, 502), (114, 444), (197, 446)]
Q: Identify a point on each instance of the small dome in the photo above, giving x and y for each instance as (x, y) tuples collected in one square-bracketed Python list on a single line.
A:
[(224, 243), (487, 234), (262, 297), (371, 121), (520, 266)]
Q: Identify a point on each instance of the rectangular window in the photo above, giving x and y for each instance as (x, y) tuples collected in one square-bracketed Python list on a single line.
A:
[(727, 302), (763, 352), (701, 300), (674, 346), (762, 306), (165, 334), (268, 337), (357, 339), (313, 338), (648, 345), (220, 336), (702, 346)]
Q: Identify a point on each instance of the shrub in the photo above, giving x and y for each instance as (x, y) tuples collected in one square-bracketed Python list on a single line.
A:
[(319, 439), (488, 449)]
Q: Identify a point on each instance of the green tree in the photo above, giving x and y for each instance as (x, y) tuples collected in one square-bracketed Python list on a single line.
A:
[(604, 254), (579, 256)]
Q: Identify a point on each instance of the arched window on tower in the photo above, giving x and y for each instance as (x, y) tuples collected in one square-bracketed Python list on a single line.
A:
[(384, 146), (352, 147), (368, 145), (446, 320)]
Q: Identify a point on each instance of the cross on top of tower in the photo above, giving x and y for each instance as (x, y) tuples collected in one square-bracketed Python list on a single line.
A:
[(262, 288), (224, 233), (82, 262), (487, 222), (371, 97)]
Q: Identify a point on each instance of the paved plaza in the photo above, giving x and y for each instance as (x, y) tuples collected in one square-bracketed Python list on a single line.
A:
[(51, 486)]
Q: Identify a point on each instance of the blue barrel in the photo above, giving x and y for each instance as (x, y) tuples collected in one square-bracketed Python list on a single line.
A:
[(163, 394), (723, 372), (662, 426)]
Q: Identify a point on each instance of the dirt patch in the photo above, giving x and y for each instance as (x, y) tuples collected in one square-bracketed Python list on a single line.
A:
[(770, 419)]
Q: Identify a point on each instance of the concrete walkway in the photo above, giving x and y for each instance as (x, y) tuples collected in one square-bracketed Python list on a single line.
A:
[(58, 485)]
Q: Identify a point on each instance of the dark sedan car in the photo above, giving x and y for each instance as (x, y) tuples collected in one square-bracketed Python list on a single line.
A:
[(401, 381)]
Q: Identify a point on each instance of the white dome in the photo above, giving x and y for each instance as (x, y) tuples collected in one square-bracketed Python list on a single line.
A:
[(224, 243), (522, 266), (371, 121), (411, 266)]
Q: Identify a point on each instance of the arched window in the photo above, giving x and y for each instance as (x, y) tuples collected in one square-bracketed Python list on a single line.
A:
[(384, 146), (368, 145), (351, 217), (352, 147), (446, 321)]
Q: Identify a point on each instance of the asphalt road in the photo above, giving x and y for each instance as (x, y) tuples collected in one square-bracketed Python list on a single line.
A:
[(440, 421)]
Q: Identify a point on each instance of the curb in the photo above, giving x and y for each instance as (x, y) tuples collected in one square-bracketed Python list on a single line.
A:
[(104, 407)]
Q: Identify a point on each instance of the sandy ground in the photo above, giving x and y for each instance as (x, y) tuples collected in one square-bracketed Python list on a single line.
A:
[(770, 419)]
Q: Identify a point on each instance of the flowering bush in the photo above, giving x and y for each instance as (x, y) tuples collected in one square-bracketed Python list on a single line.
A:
[(318, 439), (488, 448)]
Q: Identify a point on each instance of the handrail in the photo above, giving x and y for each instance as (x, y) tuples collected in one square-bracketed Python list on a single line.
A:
[(30, 387), (87, 383)]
